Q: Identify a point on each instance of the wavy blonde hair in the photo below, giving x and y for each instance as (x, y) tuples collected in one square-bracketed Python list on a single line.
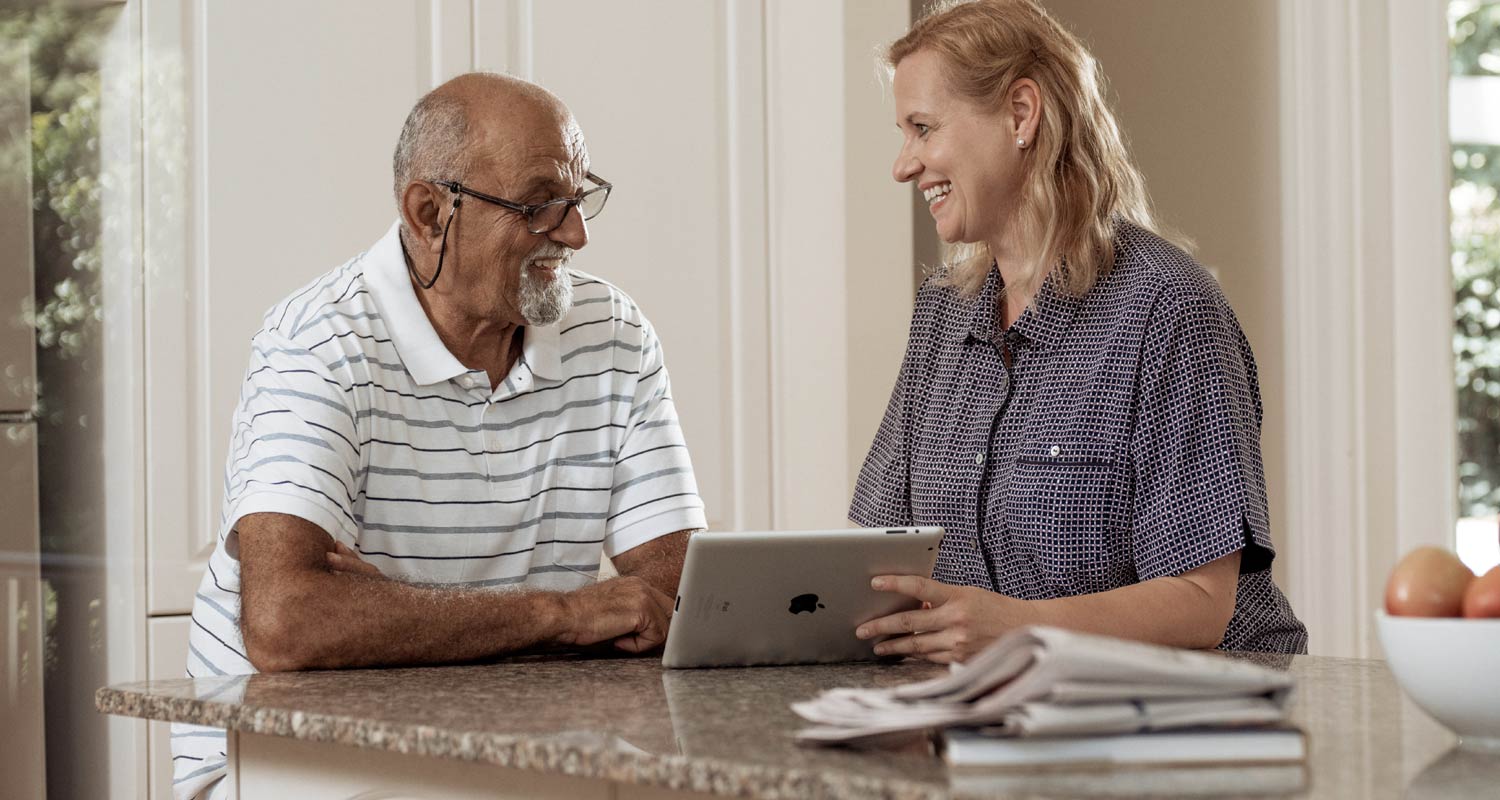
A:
[(1079, 180)]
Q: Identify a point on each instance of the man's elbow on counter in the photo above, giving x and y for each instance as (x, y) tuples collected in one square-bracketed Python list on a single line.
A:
[(269, 651), (278, 638)]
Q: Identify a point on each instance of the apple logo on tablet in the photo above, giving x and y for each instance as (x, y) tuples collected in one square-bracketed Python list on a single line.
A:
[(804, 602)]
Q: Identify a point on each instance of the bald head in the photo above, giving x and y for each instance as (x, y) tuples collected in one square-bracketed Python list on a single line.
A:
[(480, 117), (508, 142)]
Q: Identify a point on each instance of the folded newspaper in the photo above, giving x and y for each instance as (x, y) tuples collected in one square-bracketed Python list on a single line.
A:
[(1042, 681)]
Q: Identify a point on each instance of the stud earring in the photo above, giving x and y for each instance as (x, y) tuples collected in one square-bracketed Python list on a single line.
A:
[(1020, 143)]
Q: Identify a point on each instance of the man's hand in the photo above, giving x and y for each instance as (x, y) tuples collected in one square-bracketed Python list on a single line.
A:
[(344, 559), (627, 611), (954, 623)]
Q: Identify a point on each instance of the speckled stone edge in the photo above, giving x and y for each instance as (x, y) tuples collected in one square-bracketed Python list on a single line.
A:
[(541, 754)]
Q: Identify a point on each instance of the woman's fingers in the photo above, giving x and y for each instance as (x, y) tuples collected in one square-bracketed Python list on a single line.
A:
[(928, 617), (902, 622), (928, 591), (926, 645)]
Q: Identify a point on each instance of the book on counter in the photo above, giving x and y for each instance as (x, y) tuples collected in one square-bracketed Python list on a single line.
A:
[(1136, 780), (1053, 685), (972, 749)]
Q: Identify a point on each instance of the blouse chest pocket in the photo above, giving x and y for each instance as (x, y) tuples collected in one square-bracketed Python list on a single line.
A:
[(1068, 510)]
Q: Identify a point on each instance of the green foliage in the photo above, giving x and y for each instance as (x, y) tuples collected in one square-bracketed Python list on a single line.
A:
[(1474, 37), (1474, 30), (62, 49)]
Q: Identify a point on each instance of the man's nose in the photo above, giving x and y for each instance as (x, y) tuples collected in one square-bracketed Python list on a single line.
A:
[(573, 232)]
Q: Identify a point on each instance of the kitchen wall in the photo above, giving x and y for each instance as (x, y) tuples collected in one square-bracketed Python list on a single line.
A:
[(878, 232)]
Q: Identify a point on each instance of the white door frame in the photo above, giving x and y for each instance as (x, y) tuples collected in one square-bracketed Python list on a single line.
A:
[(1368, 303)]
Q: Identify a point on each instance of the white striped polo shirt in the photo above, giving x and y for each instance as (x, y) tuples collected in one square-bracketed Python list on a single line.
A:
[(354, 416)]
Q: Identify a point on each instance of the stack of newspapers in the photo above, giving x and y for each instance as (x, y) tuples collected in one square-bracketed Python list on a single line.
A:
[(1045, 695)]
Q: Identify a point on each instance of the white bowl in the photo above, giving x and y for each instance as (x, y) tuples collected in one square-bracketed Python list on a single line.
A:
[(1451, 669)]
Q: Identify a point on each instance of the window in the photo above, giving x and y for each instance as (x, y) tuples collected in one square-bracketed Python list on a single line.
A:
[(1474, 129)]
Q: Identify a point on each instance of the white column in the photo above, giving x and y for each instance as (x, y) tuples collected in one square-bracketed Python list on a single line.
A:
[(1369, 402)]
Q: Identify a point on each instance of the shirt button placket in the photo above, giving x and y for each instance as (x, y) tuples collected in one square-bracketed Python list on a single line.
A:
[(490, 438)]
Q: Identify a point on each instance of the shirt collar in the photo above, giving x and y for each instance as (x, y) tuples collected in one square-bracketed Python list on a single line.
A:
[(422, 352), (541, 349), (1043, 322), (416, 341)]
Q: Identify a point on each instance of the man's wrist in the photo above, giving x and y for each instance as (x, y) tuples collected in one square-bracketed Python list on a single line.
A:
[(557, 612)]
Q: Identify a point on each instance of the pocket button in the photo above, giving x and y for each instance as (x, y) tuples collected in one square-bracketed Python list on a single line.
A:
[(1056, 451)]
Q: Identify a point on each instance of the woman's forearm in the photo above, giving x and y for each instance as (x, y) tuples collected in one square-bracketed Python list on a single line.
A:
[(1190, 610)]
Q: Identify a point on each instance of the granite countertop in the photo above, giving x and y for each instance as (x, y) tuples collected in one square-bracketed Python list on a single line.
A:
[(728, 731)]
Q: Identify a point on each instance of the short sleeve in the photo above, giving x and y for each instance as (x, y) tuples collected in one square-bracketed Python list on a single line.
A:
[(882, 493), (294, 449), (655, 492), (1199, 481)]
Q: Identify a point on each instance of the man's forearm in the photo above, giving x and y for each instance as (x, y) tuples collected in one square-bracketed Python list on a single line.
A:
[(330, 619), (307, 602), (657, 562)]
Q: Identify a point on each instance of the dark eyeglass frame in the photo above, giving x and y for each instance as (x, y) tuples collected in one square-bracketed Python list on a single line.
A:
[(528, 211)]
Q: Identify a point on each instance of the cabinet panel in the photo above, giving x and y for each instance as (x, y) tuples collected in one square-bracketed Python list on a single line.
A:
[(274, 768), (676, 126), (269, 129), (166, 657), (23, 756)]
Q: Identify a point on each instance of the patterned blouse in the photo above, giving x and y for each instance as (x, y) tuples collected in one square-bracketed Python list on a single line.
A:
[(1122, 444)]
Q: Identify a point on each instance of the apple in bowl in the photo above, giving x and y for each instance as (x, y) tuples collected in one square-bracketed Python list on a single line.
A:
[(1441, 632)]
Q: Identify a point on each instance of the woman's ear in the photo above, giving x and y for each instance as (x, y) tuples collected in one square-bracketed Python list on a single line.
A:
[(423, 208), (1025, 109)]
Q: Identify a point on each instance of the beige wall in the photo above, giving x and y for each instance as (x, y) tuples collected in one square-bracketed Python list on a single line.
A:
[(1194, 83), (879, 287)]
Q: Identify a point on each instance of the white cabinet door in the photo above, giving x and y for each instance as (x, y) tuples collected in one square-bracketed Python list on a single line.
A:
[(166, 657), (268, 135), (268, 131), (22, 714), (277, 767), (670, 99), (742, 157)]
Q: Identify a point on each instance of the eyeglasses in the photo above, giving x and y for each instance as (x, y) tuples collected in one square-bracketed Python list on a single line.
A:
[(540, 218), (545, 217)]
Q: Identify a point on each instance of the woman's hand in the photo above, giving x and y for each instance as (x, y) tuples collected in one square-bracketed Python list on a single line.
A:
[(954, 623)]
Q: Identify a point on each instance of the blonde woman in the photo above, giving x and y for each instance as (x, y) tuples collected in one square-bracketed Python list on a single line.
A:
[(1077, 406)]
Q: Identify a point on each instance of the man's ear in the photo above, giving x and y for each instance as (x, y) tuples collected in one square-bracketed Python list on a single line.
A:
[(424, 207)]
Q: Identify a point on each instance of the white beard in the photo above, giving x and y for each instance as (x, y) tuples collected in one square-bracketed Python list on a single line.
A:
[(544, 301)]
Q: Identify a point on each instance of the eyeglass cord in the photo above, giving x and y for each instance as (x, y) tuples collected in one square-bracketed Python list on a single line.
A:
[(443, 252)]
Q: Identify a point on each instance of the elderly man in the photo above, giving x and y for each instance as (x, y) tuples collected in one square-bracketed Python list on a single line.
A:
[(450, 413)]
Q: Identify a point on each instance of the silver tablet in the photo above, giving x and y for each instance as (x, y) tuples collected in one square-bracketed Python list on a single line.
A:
[(789, 597)]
